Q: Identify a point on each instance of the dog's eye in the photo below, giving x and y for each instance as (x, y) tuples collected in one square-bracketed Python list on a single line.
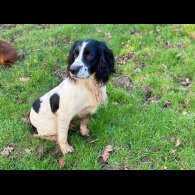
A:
[(75, 55), (90, 57)]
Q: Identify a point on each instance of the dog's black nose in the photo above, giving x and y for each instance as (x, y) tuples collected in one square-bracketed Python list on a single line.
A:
[(75, 69)]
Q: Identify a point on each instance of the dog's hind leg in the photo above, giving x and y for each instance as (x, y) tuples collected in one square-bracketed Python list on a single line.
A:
[(49, 137), (83, 126)]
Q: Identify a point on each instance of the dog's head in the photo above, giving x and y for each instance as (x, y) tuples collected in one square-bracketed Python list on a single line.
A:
[(88, 57)]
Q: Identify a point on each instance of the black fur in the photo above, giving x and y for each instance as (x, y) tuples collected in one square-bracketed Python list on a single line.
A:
[(54, 102), (103, 64), (106, 64), (36, 105)]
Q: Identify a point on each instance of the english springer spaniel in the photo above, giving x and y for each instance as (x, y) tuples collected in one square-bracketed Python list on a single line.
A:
[(90, 65)]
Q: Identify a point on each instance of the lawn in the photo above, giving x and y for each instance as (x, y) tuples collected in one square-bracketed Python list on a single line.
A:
[(149, 118)]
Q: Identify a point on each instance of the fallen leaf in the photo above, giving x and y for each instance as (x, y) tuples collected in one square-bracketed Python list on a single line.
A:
[(24, 79), (173, 151), (108, 35), (115, 103), (61, 163), (137, 70), (6, 151), (184, 113), (178, 143), (165, 167), (186, 82), (186, 101), (172, 138), (167, 104), (27, 151), (105, 153)]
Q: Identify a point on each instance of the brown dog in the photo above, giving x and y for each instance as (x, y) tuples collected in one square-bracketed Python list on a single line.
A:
[(8, 55)]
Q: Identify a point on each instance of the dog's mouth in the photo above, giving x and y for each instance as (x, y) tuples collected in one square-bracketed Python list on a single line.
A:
[(77, 77)]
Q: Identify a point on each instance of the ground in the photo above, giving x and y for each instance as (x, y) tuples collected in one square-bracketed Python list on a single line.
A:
[(149, 118)]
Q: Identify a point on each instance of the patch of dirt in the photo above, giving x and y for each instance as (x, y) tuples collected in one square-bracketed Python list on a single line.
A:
[(7, 150), (186, 82), (44, 26), (125, 58), (21, 56), (136, 32), (147, 160), (67, 40), (26, 118), (148, 98), (120, 167), (148, 92), (139, 66), (124, 82), (12, 38), (56, 152), (8, 26), (60, 74), (41, 151), (167, 104)]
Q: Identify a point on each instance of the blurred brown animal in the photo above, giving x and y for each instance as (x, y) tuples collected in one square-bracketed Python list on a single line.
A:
[(8, 54)]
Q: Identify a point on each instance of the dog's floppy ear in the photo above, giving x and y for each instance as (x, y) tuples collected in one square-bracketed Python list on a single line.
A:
[(106, 64)]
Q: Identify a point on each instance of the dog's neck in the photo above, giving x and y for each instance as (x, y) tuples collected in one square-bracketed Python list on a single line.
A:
[(95, 88)]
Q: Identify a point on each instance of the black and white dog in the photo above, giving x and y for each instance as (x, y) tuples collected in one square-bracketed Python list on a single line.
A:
[(90, 65)]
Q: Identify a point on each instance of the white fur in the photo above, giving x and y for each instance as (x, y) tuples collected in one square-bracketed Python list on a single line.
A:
[(76, 99), (83, 72)]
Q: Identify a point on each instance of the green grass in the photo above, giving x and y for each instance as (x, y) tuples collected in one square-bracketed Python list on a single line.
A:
[(139, 132)]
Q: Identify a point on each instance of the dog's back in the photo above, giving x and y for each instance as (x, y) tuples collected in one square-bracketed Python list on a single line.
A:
[(8, 54)]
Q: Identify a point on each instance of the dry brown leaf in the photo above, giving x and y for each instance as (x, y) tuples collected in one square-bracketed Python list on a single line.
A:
[(6, 151), (106, 151), (24, 79), (61, 163), (186, 101)]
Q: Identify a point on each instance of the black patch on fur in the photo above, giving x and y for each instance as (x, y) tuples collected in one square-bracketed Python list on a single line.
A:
[(54, 102), (36, 105)]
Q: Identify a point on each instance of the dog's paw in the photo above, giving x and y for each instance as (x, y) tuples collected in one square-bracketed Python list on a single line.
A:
[(85, 132), (67, 148)]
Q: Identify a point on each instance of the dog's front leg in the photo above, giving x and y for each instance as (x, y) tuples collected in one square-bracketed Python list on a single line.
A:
[(63, 126)]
